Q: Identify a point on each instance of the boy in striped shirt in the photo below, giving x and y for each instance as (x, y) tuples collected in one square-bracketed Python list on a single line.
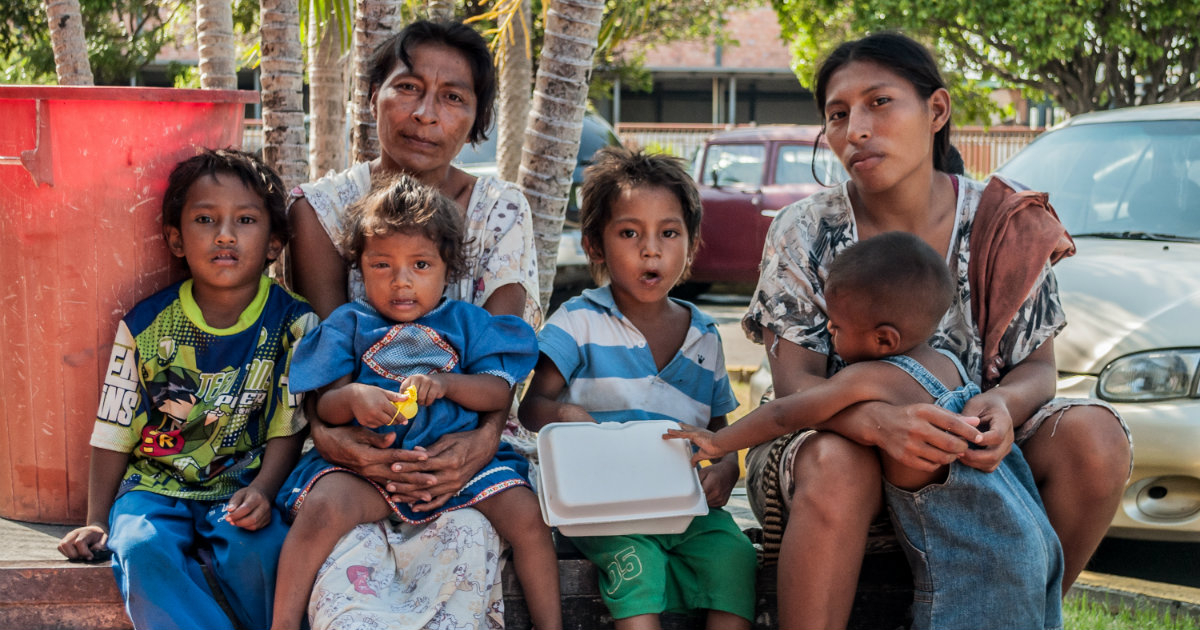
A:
[(626, 351)]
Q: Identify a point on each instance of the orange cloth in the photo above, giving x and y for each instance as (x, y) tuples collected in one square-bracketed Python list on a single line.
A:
[(1014, 234)]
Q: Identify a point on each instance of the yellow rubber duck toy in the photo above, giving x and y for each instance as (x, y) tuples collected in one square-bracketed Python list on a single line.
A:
[(406, 407)]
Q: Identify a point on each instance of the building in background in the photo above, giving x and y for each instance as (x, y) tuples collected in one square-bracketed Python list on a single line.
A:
[(746, 81)]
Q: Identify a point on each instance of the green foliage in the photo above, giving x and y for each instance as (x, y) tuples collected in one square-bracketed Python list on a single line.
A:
[(335, 14), (1085, 54), (183, 75), (122, 37)]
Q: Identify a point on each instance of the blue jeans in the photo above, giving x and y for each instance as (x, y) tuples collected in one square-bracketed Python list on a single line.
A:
[(151, 537), (982, 551)]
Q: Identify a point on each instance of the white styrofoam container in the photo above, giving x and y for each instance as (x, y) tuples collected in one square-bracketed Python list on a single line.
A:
[(617, 478)]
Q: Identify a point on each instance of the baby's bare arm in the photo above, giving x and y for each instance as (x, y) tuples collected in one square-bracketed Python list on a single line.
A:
[(345, 401), (807, 408), (477, 392)]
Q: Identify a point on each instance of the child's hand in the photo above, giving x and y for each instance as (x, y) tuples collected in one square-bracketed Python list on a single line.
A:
[(718, 480), (249, 509), (430, 387), (704, 440), (373, 406), (79, 544)]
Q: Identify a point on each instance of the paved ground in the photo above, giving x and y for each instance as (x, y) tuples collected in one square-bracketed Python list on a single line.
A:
[(22, 542), (728, 309)]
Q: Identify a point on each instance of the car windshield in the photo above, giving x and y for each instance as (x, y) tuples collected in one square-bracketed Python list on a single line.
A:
[(734, 164), (794, 165), (1138, 180)]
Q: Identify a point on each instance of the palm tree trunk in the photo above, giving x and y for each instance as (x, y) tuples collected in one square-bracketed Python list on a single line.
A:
[(373, 23), (512, 100), (556, 123), (282, 96), (70, 47), (327, 99), (214, 34)]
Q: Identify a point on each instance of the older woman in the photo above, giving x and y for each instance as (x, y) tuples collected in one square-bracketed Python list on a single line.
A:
[(886, 114), (432, 87)]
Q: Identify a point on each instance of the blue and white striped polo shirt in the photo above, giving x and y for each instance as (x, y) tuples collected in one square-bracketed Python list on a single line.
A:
[(610, 371)]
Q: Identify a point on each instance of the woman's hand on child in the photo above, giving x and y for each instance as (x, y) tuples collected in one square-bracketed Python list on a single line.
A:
[(430, 387), (451, 462), (924, 436), (718, 480), (249, 509), (79, 544), (703, 439), (997, 426)]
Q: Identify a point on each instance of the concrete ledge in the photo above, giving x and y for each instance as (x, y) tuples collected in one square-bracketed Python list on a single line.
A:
[(60, 596), (884, 595)]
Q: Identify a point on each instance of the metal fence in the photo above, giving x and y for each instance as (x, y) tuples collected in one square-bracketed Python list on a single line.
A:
[(983, 150), (681, 140)]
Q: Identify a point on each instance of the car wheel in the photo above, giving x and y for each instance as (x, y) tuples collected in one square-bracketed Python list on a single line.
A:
[(690, 290)]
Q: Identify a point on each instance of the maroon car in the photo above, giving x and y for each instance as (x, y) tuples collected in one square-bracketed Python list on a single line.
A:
[(745, 177)]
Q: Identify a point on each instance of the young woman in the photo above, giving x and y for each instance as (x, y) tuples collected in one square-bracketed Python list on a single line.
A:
[(886, 114)]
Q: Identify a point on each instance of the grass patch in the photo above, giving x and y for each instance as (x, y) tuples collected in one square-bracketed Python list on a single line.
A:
[(1081, 613)]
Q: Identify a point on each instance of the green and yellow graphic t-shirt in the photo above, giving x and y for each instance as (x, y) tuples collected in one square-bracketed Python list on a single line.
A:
[(195, 405)]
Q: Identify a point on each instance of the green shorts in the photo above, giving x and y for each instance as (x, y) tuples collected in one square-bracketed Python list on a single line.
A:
[(710, 566)]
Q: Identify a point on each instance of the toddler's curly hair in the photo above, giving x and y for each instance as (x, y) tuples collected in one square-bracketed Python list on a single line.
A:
[(403, 204)]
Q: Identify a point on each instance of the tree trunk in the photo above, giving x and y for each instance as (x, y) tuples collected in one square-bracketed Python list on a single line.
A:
[(512, 101), (441, 10), (556, 123), (70, 47), (282, 96), (327, 99), (214, 34), (374, 21)]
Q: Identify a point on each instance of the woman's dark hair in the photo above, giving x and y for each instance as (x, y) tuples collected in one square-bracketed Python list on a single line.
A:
[(903, 56), (397, 49), (617, 168), (252, 172), (403, 204)]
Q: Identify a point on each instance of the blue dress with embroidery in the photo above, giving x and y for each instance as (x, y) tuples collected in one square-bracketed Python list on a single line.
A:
[(455, 337)]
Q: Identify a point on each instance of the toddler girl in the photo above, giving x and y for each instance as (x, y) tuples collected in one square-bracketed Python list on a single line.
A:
[(456, 359)]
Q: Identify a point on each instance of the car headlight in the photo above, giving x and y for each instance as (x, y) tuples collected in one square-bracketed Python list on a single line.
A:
[(1149, 376)]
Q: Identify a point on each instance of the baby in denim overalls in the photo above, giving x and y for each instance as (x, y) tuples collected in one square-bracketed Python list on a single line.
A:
[(982, 551)]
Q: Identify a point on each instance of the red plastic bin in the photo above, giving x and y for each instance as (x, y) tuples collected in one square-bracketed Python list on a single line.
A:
[(82, 173)]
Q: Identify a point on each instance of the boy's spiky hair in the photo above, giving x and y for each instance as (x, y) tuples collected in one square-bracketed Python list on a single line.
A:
[(403, 204)]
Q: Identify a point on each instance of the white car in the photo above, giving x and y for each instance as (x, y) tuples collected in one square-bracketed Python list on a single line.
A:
[(1126, 183)]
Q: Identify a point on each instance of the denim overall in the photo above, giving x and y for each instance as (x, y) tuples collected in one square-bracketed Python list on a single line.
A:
[(982, 552)]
